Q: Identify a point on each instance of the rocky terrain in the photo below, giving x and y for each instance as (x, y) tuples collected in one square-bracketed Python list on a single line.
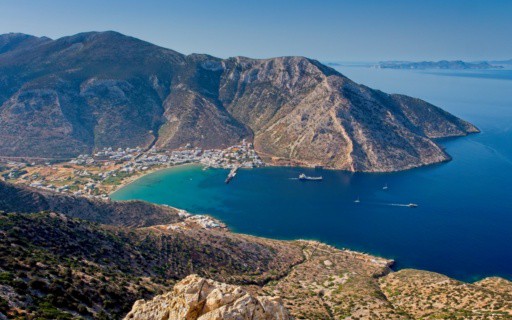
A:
[(60, 98), (428, 295), (198, 298), (60, 261), (29, 200)]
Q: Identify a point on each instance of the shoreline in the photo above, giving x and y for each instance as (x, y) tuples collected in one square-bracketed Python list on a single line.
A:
[(273, 164), (136, 177)]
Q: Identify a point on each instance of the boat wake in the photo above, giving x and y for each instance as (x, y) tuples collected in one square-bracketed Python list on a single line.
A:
[(396, 204), (409, 205)]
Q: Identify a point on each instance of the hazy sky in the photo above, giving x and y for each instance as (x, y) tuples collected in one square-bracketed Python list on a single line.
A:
[(326, 30)]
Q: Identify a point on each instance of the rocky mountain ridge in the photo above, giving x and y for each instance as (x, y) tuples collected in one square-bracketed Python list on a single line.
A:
[(60, 98)]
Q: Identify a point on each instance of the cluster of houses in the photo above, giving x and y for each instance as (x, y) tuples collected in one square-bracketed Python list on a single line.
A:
[(83, 159), (242, 155), (50, 186), (121, 163), (191, 221), (13, 170), (119, 154)]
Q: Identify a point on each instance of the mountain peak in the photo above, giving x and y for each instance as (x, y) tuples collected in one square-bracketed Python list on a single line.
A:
[(15, 40)]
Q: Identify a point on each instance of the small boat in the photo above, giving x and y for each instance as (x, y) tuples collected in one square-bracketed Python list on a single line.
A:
[(304, 177), (412, 205), (357, 200), (385, 187)]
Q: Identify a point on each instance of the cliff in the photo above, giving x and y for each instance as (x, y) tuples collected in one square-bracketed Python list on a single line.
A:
[(60, 98)]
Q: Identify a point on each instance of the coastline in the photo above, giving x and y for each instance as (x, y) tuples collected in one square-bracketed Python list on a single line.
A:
[(136, 177), (282, 162)]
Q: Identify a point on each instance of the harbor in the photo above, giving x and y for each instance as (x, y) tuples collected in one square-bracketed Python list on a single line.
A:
[(96, 175)]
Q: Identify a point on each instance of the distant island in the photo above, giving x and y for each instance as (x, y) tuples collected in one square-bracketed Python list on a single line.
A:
[(443, 64), (501, 62)]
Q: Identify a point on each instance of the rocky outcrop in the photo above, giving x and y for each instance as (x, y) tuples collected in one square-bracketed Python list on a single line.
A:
[(198, 298), (60, 98)]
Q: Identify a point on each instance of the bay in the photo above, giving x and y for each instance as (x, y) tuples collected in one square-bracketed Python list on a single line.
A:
[(461, 228)]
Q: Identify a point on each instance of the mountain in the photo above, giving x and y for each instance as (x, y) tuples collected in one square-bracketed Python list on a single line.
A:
[(60, 98), (65, 263), (443, 64), (19, 41)]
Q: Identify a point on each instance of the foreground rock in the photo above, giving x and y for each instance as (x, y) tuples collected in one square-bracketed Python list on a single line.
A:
[(198, 298), (60, 98)]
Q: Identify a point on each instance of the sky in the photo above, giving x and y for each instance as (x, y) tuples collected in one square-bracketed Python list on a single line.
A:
[(364, 30)]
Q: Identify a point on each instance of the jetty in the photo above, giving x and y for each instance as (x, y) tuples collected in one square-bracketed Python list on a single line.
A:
[(231, 174)]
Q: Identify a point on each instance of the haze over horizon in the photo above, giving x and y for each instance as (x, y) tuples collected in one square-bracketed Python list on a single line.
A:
[(335, 31)]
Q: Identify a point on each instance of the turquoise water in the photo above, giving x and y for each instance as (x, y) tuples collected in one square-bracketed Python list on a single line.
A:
[(462, 227)]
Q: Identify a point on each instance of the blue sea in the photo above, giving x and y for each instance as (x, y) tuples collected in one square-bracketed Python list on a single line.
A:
[(461, 228)]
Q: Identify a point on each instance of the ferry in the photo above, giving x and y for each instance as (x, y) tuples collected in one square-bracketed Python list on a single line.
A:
[(304, 177)]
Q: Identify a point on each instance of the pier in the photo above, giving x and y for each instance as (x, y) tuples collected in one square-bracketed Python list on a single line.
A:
[(231, 174)]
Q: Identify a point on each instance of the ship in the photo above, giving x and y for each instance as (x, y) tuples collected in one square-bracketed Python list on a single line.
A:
[(304, 177), (412, 205)]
